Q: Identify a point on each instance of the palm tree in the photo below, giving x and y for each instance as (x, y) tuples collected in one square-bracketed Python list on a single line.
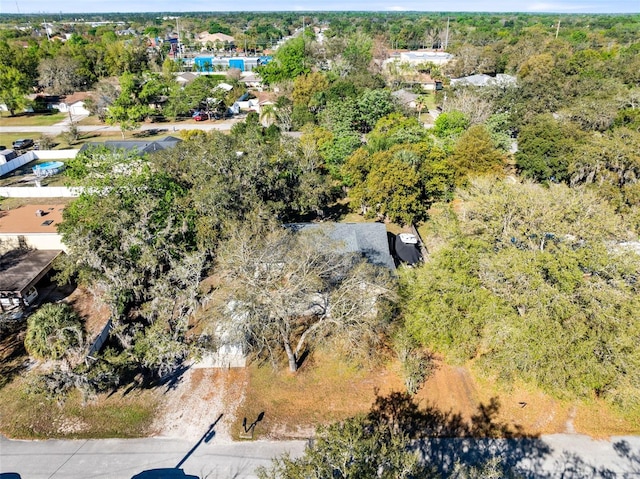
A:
[(421, 103), (268, 115)]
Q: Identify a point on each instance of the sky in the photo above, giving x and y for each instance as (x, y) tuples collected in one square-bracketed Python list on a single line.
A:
[(532, 6)]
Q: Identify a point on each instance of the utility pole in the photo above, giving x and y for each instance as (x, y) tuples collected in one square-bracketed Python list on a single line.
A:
[(46, 29), (446, 38)]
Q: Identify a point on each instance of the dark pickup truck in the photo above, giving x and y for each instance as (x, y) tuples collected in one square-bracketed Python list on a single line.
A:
[(23, 144)]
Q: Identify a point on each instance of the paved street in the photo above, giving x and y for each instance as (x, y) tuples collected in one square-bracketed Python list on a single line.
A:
[(163, 127), (122, 459), (555, 456)]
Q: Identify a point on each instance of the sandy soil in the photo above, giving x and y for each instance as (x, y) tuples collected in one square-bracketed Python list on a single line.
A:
[(200, 398)]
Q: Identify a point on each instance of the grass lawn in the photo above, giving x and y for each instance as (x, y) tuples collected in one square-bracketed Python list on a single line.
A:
[(28, 415), (7, 139), (325, 389), (33, 416), (32, 119), (329, 389), (62, 144)]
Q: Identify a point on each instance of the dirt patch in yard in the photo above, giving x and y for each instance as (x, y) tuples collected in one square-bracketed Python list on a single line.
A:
[(521, 407), (198, 399), (93, 311)]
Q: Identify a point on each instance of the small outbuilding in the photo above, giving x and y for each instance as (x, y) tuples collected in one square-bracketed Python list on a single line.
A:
[(20, 272)]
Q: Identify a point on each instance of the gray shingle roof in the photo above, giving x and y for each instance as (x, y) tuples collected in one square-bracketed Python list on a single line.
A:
[(368, 239), (140, 146)]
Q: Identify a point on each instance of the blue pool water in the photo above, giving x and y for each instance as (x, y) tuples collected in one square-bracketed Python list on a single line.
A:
[(48, 168)]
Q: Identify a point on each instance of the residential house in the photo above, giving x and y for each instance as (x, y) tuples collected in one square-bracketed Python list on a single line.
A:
[(185, 78), (482, 80), (406, 98), (31, 226), (75, 104), (418, 57), (251, 80), (141, 147), (127, 31), (367, 240), (214, 39)]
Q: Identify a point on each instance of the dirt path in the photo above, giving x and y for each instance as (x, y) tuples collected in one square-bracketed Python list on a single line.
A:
[(451, 389), (198, 400)]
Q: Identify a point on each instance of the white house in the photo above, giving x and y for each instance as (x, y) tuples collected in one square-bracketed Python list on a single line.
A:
[(417, 57), (74, 104)]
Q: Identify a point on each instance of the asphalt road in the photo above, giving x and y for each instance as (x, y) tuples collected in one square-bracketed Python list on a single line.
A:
[(567, 456), (164, 127), (124, 458)]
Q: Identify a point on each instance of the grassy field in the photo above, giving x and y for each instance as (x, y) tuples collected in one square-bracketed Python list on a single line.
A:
[(7, 139), (33, 416), (32, 119)]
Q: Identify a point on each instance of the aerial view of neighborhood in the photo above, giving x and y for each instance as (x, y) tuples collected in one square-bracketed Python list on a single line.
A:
[(335, 244)]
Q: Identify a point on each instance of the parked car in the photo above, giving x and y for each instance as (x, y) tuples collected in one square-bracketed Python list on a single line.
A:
[(201, 117), (22, 144)]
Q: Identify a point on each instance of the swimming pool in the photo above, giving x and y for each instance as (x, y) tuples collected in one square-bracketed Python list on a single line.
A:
[(48, 169)]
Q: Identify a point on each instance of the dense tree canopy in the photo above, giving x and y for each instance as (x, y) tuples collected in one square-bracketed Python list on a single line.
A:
[(474, 298)]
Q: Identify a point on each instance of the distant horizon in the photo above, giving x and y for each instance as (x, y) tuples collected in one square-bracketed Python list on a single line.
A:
[(42, 7)]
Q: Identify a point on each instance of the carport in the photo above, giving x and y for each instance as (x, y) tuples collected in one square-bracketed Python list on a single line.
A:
[(21, 270)]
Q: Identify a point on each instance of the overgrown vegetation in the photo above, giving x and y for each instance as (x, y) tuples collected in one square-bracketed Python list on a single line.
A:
[(531, 278), (534, 283)]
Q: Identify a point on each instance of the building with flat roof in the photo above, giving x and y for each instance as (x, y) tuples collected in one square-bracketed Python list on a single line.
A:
[(31, 226), (418, 57)]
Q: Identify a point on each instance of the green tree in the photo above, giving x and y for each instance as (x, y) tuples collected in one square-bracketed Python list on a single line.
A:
[(128, 110), (53, 331), (306, 87), (372, 106), (520, 286), (546, 149), (13, 88), (449, 126), (289, 62), (475, 154), (354, 448)]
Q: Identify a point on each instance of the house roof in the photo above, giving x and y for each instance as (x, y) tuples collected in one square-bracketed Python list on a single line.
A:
[(140, 146), (426, 56), (21, 268), (204, 37), (484, 80), (250, 78), (186, 77), (75, 97), (24, 220), (404, 96), (368, 239)]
